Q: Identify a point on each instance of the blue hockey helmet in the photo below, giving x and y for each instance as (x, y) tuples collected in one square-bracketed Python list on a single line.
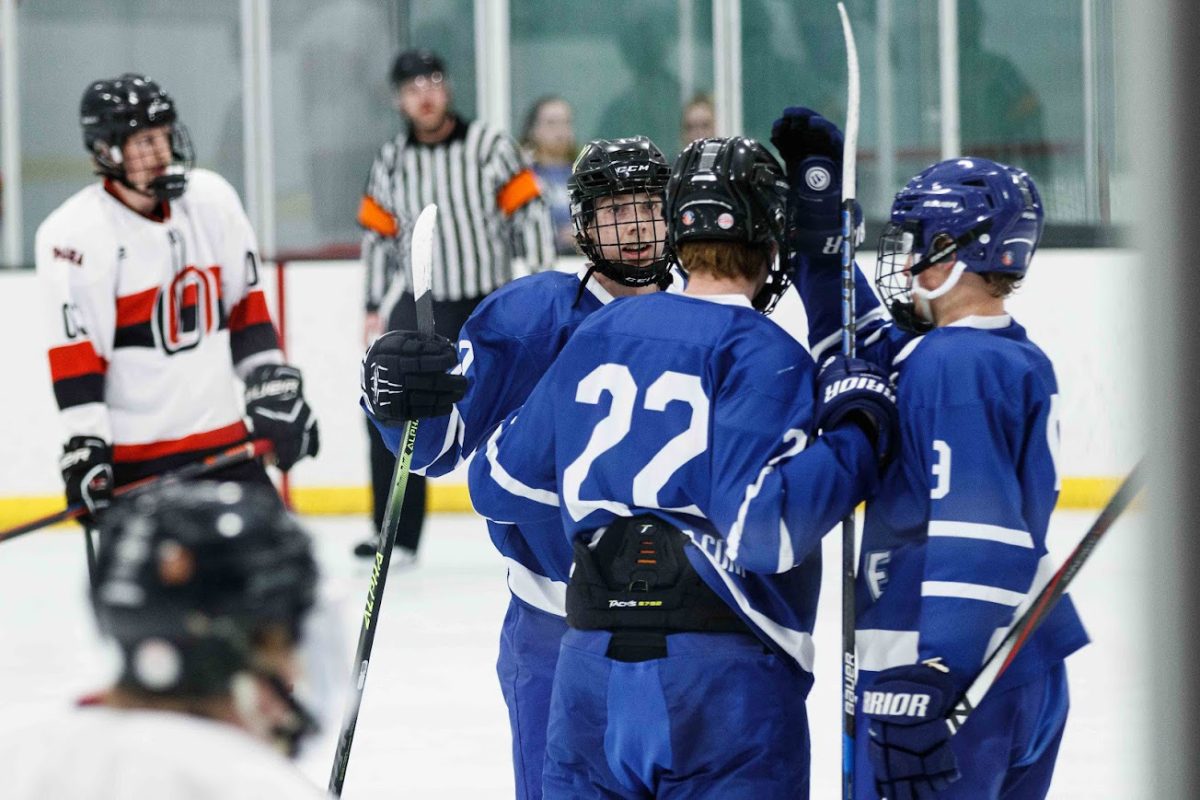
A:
[(989, 216)]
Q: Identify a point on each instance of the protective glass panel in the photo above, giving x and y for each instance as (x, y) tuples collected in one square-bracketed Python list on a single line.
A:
[(191, 49), (332, 102)]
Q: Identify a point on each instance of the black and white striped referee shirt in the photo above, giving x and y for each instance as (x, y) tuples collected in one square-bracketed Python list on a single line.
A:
[(489, 211)]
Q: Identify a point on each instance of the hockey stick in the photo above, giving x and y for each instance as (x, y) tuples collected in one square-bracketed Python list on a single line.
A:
[(849, 332), (1044, 602), (217, 461), (422, 263)]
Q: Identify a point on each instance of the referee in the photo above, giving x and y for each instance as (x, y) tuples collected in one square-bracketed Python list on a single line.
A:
[(489, 213)]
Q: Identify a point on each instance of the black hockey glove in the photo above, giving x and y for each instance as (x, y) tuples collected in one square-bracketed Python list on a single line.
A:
[(811, 147), (405, 376), (857, 391), (277, 411), (86, 465), (909, 745)]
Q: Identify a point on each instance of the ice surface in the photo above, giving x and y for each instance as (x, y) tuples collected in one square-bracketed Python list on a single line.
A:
[(433, 723)]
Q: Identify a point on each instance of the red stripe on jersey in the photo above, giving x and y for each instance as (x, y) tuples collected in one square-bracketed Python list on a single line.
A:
[(252, 310), (136, 308), (73, 360), (221, 437)]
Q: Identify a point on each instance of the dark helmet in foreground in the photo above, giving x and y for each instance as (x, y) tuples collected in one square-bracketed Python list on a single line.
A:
[(616, 194), (987, 215), (730, 190), (114, 108), (190, 579)]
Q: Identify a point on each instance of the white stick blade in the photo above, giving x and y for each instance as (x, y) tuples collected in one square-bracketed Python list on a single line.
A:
[(422, 249)]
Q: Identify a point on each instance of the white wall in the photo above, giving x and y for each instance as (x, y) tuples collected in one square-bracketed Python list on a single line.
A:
[(1077, 304)]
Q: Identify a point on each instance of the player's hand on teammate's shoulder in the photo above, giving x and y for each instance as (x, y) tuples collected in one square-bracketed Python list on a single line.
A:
[(86, 465), (909, 747), (276, 410), (406, 375), (856, 391), (811, 148)]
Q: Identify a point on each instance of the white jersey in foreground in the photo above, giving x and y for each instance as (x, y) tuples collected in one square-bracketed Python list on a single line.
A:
[(95, 753)]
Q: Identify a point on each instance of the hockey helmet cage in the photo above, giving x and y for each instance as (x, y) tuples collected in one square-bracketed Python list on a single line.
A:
[(114, 108), (730, 190), (191, 574), (615, 173)]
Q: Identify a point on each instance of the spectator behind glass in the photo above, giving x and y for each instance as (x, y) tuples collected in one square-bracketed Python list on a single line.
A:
[(548, 139), (699, 120)]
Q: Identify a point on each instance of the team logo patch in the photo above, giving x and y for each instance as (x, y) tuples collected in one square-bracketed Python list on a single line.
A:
[(817, 178), (69, 254), (688, 218), (725, 221), (1006, 258)]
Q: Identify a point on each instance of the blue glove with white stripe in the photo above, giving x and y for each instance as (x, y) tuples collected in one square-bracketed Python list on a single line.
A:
[(909, 745)]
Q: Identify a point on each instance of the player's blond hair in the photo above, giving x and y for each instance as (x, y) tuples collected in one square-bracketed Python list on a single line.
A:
[(724, 259)]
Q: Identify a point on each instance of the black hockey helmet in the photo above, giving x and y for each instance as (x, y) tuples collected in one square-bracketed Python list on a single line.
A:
[(415, 64), (730, 190), (114, 108), (191, 575), (607, 170)]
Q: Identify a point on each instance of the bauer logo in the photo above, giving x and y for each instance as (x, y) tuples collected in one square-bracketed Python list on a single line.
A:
[(817, 178)]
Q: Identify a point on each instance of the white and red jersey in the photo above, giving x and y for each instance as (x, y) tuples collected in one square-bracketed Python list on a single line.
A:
[(98, 753), (148, 318)]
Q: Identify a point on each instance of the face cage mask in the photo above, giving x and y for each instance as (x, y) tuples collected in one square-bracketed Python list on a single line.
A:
[(778, 281), (623, 230), (899, 263), (172, 183)]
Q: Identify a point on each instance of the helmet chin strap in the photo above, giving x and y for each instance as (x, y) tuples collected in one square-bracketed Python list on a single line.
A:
[(922, 297), (284, 731)]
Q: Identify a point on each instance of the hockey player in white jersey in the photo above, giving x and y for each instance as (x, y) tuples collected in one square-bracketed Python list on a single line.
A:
[(151, 286), (954, 543), (204, 592)]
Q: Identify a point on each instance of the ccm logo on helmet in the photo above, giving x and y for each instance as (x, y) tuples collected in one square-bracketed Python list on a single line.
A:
[(625, 170), (849, 384), (895, 704)]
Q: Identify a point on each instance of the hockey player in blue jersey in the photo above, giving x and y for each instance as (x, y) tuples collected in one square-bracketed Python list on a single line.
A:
[(507, 344), (672, 439), (953, 547)]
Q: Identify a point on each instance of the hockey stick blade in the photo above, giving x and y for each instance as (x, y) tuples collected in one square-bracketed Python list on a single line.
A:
[(213, 463), (422, 267), (849, 333), (1024, 628)]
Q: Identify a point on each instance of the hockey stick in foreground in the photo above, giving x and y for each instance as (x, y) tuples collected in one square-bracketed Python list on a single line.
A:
[(1044, 603), (217, 461), (422, 263), (849, 332)]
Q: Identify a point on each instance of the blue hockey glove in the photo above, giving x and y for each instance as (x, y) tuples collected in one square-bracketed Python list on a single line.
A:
[(276, 410), (405, 376), (811, 147), (857, 391), (909, 745)]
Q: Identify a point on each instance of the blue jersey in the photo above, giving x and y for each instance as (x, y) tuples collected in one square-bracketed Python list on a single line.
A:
[(505, 346), (954, 544), (698, 410)]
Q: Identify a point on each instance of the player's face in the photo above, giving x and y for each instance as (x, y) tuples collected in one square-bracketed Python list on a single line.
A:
[(629, 228), (699, 122), (425, 100), (147, 154)]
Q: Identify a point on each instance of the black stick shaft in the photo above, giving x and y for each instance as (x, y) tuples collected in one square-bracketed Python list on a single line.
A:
[(1044, 603), (366, 635), (213, 463)]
